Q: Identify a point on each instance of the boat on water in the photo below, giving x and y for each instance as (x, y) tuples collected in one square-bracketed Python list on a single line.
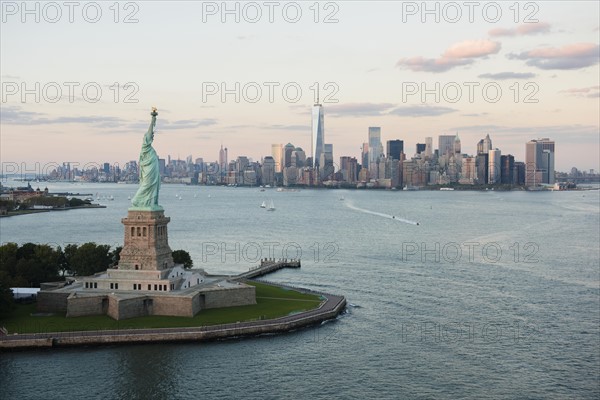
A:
[(263, 205), (271, 206), (535, 188), (409, 187), (446, 188), (342, 198)]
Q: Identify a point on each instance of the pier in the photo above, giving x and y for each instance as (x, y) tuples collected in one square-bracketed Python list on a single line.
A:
[(267, 266)]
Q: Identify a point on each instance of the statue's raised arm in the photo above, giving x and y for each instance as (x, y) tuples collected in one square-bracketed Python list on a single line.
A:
[(146, 197)]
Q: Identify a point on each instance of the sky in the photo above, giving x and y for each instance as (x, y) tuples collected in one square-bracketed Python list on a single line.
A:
[(78, 81)]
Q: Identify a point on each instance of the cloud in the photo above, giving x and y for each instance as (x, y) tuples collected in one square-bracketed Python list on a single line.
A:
[(11, 115), (568, 132), (9, 77), (472, 49), (508, 75), (521, 30), (421, 111), (462, 53), (234, 128), (590, 92), (187, 123), (431, 65), (475, 114), (358, 109), (287, 127), (16, 116), (572, 56)]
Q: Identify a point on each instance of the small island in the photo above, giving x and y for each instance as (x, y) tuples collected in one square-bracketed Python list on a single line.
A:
[(26, 200)]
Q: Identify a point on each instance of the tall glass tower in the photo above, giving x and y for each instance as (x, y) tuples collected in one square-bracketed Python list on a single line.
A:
[(375, 146), (318, 133)]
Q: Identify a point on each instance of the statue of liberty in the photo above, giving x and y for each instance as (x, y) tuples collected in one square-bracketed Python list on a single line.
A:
[(146, 197)]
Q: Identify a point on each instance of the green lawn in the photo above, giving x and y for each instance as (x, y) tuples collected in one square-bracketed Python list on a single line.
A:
[(272, 302)]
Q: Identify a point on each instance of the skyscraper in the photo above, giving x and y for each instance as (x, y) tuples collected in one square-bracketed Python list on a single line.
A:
[(539, 162), (277, 154), (494, 166), (365, 155), (348, 167), (394, 148), (318, 133), (421, 148), (487, 144), (375, 146), (287, 155), (268, 171), (223, 158), (428, 147), (326, 166), (507, 169), (457, 148), (446, 144)]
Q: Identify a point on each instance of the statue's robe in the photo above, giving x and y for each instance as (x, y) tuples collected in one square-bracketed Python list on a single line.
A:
[(147, 193)]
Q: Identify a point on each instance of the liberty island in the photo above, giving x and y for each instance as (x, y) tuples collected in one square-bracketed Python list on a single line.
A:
[(146, 281)]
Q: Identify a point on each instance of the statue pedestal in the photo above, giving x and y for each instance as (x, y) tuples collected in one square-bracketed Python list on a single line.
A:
[(146, 245)]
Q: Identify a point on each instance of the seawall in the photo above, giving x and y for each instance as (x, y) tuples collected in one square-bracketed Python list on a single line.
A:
[(329, 309)]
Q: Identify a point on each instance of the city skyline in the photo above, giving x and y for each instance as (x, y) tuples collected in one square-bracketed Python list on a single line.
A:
[(366, 77)]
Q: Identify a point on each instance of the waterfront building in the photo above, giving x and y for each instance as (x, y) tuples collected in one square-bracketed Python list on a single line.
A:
[(349, 168), (268, 171), (481, 163), (494, 165), (507, 169), (539, 162), (468, 171)]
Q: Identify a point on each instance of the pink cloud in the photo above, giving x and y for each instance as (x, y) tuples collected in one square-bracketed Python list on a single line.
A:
[(570, 50), (571, 56), (521, 30), (472, 49), (591, 92), (458, 54)]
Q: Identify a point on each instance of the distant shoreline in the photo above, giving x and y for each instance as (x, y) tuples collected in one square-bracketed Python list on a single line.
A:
[(26, 212)]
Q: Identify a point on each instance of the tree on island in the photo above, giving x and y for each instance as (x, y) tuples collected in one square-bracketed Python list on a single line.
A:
[(6, 298), (28, 265), (88, 259), (183, 257)]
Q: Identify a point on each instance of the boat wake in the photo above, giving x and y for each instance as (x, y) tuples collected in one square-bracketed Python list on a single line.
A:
[(388, 216)]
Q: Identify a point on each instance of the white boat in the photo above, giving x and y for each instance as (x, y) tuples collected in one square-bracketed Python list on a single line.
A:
[(271, 206), (342, 198), (263, 205)]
